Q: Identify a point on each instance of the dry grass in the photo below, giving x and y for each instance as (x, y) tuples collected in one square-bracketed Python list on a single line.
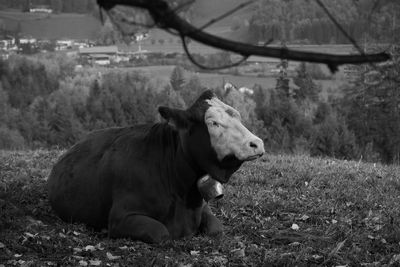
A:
[(280, 210)]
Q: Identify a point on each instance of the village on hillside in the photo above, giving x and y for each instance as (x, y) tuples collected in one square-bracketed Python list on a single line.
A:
[(41, 30), (87, 49)]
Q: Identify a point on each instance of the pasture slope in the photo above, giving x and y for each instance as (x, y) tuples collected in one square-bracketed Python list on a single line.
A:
[(277, 211), (51, 26)]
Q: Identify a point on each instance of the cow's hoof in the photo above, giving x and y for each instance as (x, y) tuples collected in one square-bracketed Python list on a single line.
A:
[(213, 227)]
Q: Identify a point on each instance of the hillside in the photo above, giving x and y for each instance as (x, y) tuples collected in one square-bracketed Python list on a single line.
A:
[(278, 211), (53, 26), (202, 11)]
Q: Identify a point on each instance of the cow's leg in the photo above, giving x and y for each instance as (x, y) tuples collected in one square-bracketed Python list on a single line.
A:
[(210, 225), (122, 223)]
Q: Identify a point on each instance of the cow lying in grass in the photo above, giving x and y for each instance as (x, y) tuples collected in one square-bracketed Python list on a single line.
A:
[(140, 181)]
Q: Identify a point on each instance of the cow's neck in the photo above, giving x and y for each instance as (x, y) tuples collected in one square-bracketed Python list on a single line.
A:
[(179, 170), (187, 172)]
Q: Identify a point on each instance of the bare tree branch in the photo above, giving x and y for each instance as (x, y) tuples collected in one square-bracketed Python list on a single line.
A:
[(166, 18), (193, 60), (337, 24)]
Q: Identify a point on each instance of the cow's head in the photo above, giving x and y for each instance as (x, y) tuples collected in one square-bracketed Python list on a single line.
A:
[(213, 136)]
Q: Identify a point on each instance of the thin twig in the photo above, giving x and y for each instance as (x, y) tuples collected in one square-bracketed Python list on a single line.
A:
[(119, 28), (226, 14), (374, 7), (188, 3), (193, 60), (132, 22), (165, 18), (337, 24)]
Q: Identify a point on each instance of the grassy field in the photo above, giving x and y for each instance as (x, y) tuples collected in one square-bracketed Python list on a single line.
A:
[(51, 26), (211, 80), (277, 211)]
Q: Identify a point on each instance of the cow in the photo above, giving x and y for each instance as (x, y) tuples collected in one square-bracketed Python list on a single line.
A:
[(140, 181)]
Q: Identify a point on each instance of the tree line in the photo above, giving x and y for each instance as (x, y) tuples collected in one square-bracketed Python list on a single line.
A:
[(46, 102), (58, 6), (304, 21)]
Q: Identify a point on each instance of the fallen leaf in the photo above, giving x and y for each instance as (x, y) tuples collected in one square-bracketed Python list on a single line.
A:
[(95, 262), (252, 248), (218, 260), (111, 257), (295, 227), (83, 263), (123, 248), (294, 244), (77, 250), (62, 235), (304, 217), (17, 255), (89, 248), (239, 252), (99, 247), (316, 257), (45, 237), (395, 259), (194, 252), (35, 222), (30, 235), (371, 264)]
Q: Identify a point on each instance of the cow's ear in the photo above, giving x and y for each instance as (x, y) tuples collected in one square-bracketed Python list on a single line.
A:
[(178, 118)]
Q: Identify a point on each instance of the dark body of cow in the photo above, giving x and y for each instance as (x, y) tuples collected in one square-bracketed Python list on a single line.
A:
[(140, 181)]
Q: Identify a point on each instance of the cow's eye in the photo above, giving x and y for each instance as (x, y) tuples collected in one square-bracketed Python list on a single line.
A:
[(216, 124)]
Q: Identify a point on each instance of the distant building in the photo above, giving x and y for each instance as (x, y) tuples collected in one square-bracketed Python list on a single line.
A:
[(100, 59), (64, 44), (4, 55), (266, 66), (27, 40), (100, 55), (41, 9), (7, 42)]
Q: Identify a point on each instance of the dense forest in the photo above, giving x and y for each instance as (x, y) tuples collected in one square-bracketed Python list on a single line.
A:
[(45, 102), (305, 22), (58, 6)]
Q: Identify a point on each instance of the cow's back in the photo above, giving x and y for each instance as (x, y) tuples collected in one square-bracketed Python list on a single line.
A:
[(78, 186)]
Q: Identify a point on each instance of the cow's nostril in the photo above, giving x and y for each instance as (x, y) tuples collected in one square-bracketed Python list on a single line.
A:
[(253, 145)]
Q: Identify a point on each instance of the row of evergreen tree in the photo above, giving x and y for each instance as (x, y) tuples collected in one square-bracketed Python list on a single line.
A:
[(44, 102), (305, 21)]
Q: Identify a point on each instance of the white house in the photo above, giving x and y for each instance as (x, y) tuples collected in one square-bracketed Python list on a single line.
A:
[(41, 9)]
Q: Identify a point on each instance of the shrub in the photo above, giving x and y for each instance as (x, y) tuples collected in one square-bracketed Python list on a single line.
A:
[(317, 73), (11, 139), (333, 138)]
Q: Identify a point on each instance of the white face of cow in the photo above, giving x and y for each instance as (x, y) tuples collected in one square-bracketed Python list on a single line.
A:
[(228, 136)]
